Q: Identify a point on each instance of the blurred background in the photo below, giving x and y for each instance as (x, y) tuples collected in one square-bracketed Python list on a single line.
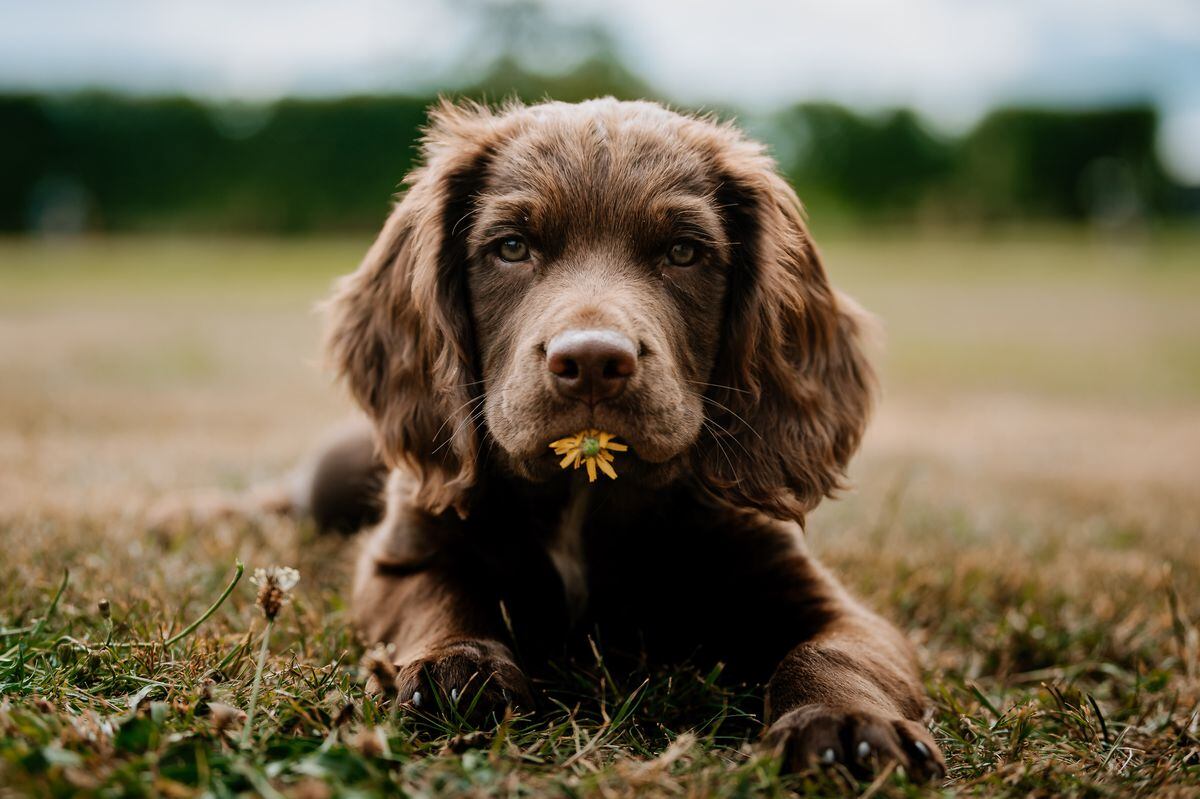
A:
[(1013, 186), (299, 117)]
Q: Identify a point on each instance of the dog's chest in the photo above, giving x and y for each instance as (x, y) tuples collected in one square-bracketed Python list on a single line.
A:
[(567, 553)]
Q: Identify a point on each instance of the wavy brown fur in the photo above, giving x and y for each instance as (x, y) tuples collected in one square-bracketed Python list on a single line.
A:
[(747, 397)]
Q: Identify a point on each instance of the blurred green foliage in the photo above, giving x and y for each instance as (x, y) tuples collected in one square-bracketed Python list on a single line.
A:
[(105, 162), (175, 163)]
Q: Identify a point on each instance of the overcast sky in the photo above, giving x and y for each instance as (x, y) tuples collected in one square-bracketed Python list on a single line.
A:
[(951, 59)]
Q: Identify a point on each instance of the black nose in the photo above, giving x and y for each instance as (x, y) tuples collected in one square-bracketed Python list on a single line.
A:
[(591, 365)]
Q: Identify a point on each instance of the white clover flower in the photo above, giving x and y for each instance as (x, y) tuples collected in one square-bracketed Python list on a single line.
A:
[(274, 586)]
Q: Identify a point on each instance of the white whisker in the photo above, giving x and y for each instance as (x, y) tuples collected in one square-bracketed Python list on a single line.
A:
[(721, 385), (719, 427), (456, 410), (729, 410), (474, 414), (705, 425)]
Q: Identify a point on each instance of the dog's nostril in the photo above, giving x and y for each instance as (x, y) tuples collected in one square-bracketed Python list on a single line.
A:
[(618, 368), (562, 365)]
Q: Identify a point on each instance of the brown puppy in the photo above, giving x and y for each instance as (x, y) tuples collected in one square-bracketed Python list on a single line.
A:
[(619, 266)]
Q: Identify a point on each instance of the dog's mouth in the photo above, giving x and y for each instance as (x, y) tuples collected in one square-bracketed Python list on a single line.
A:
[(635, 460), (639, 436), (635, 440), (592, 449)]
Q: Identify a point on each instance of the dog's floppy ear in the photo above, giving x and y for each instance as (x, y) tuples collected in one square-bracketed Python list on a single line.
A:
[(792, 379), (399, 331)]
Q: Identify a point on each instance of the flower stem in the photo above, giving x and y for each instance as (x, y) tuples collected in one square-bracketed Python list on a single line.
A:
[(191, 628), (262, 660)]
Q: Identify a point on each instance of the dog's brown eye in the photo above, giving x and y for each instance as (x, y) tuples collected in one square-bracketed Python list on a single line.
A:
[(682, 253), (513, 249)]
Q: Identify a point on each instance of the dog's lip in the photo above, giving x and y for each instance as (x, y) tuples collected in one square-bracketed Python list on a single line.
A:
[(620, 438), (647, 453), (646, 450)]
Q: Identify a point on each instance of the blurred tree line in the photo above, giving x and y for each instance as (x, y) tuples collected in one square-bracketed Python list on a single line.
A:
[(112, 163)]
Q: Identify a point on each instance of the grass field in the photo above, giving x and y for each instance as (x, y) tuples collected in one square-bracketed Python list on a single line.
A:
[(1026, 507)]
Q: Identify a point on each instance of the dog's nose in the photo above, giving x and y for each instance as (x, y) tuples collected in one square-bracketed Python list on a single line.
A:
[(591, 365)]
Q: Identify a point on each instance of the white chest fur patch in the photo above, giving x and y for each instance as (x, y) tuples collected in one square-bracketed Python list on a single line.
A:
[(566, 552)]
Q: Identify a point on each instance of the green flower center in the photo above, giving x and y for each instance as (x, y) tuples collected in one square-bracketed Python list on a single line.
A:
[(590, 447)]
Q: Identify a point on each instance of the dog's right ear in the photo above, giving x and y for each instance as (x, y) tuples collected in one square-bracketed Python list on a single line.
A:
[(399, 332)]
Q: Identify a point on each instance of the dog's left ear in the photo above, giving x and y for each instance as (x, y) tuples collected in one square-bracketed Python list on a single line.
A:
[(793, 377)]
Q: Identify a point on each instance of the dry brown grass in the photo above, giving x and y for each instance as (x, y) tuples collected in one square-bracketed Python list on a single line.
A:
[(1026, 506)]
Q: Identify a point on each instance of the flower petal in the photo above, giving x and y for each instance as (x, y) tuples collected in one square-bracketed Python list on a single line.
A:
[(607, 469), (598, 454), (287, 577)]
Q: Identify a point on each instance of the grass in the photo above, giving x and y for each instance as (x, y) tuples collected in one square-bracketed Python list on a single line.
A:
[(1026, 508)]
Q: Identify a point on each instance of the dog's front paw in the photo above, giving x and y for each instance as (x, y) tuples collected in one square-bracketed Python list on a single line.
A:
[(471, 679), (814, 736)]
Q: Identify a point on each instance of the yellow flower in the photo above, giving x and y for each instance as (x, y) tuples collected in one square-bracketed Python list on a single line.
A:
[(592, 448)]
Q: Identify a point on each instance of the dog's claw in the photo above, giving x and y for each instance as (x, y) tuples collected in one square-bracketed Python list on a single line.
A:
[(416, 698), (454, 695), (808, 736)]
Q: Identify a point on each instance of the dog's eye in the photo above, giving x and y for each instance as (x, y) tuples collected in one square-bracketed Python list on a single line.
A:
[(682, 253), (513, 249)]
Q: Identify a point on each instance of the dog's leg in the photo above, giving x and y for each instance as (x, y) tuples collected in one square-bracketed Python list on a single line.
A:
[(837, 675), (341, 485), (445, 632), (851, 693)]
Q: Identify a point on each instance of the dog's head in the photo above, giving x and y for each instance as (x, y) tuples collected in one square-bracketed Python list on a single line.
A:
[(612, 265)]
